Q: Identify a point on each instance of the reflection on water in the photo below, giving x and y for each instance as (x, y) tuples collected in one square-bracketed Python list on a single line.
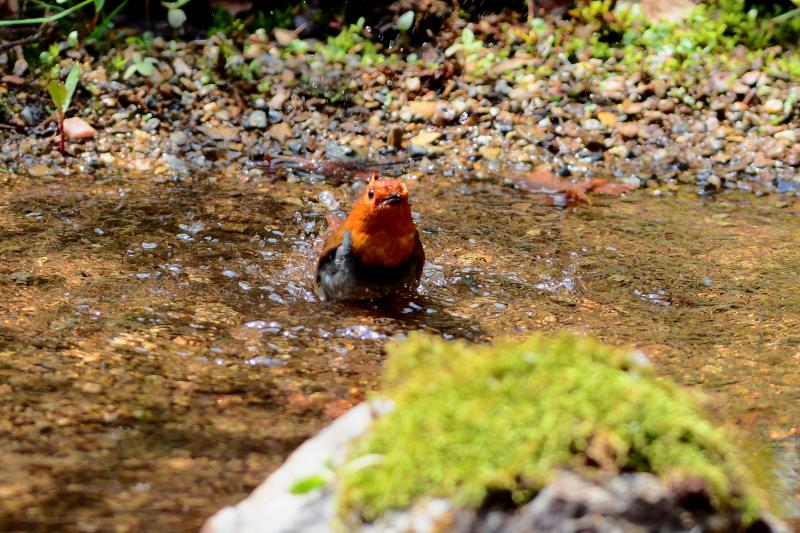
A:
[(161, 348)]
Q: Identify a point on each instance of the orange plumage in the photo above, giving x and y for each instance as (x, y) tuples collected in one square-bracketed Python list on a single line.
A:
[(376, 251)]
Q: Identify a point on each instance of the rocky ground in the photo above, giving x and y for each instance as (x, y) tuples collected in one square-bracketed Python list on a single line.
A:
[(208, 106)]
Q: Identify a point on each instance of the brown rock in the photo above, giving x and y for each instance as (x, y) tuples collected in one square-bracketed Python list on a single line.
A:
[(220, 133), (280, 132), (607, 119), (395, 137), (629, 130)]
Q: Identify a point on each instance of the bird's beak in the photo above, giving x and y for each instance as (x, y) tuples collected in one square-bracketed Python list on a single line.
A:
[(392, 199)]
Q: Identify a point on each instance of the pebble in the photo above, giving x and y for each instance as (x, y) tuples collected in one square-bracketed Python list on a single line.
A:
[(257, 119), (413, 84), (395, 136), (280, 132), (38, 170), (78, 129), (181, 68), (30, 116), (629, 130), (607, 119), (219, 133), (423, 143), (21, 277), (418, 110), (175, 163), (620, 151), (772, 106), (179, 137), (151, 125)]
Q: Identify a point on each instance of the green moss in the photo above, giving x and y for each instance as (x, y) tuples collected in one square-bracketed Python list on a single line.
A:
[(472, 420)]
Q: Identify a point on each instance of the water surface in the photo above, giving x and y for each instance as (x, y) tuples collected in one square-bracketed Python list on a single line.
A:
[(161, 349)]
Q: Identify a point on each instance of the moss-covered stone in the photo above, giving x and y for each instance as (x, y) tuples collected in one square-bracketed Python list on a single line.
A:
[(472, 420)]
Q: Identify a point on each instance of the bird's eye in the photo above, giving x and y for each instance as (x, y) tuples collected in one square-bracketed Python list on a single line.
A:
[(371, 194)]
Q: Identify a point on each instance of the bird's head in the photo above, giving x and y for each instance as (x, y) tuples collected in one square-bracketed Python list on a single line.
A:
[(381, 224)]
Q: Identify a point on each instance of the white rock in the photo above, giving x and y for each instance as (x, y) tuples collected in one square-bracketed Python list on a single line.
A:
[(76, 129), (272, 508)]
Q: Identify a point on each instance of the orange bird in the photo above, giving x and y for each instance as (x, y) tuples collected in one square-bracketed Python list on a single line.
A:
[(377, 251)]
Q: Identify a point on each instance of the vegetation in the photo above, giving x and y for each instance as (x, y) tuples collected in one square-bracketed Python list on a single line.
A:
[(61, 94), (505, 418)]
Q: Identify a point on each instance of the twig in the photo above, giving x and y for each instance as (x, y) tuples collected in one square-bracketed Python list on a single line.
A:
[(25, 40)]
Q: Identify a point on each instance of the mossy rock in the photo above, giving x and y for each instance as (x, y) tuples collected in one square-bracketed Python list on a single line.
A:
[(472, 421)]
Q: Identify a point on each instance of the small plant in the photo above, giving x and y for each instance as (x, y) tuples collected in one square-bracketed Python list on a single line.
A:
[(404, 23), (175, 15), (143, 66), (351, 41), (61, 94)]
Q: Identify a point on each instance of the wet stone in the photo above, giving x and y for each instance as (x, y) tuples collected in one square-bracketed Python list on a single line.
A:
[(21, 277), (257, 119)]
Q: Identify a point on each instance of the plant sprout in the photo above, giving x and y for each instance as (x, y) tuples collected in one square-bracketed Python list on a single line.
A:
[(175, 16), (61, 93)]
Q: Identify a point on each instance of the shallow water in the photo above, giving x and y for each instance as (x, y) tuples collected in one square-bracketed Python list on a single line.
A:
[(161, 349)]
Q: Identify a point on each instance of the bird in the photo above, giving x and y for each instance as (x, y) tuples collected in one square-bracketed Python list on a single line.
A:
[(377, 251)]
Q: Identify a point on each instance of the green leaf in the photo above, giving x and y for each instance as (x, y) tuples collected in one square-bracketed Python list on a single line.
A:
[(306, 485), (176, 17), (467, 36), (98, 5), (45, 20), (405, 21), (175, 5), (70, 85), (58, 93)]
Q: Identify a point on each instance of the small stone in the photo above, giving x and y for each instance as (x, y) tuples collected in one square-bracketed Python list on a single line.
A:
[(592, 124), (751, 78), (607, 119), (629, 130), (418, 110), (38, 170), (91, 388), (21, 277), (174, 163), (280, 132), (220, 133), (714, 181), (77, 129), (613, 88), (257, 119), (395, 137), (659, 88), (632, 108), (276, 102), (151, 125), (762, 160), (788, 135), (413, 84), (666, 106), (30, 115), (181, 68), (179, 137), (421, 144), (620, 151), (20, 66), (772, 106), (490, 152)]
